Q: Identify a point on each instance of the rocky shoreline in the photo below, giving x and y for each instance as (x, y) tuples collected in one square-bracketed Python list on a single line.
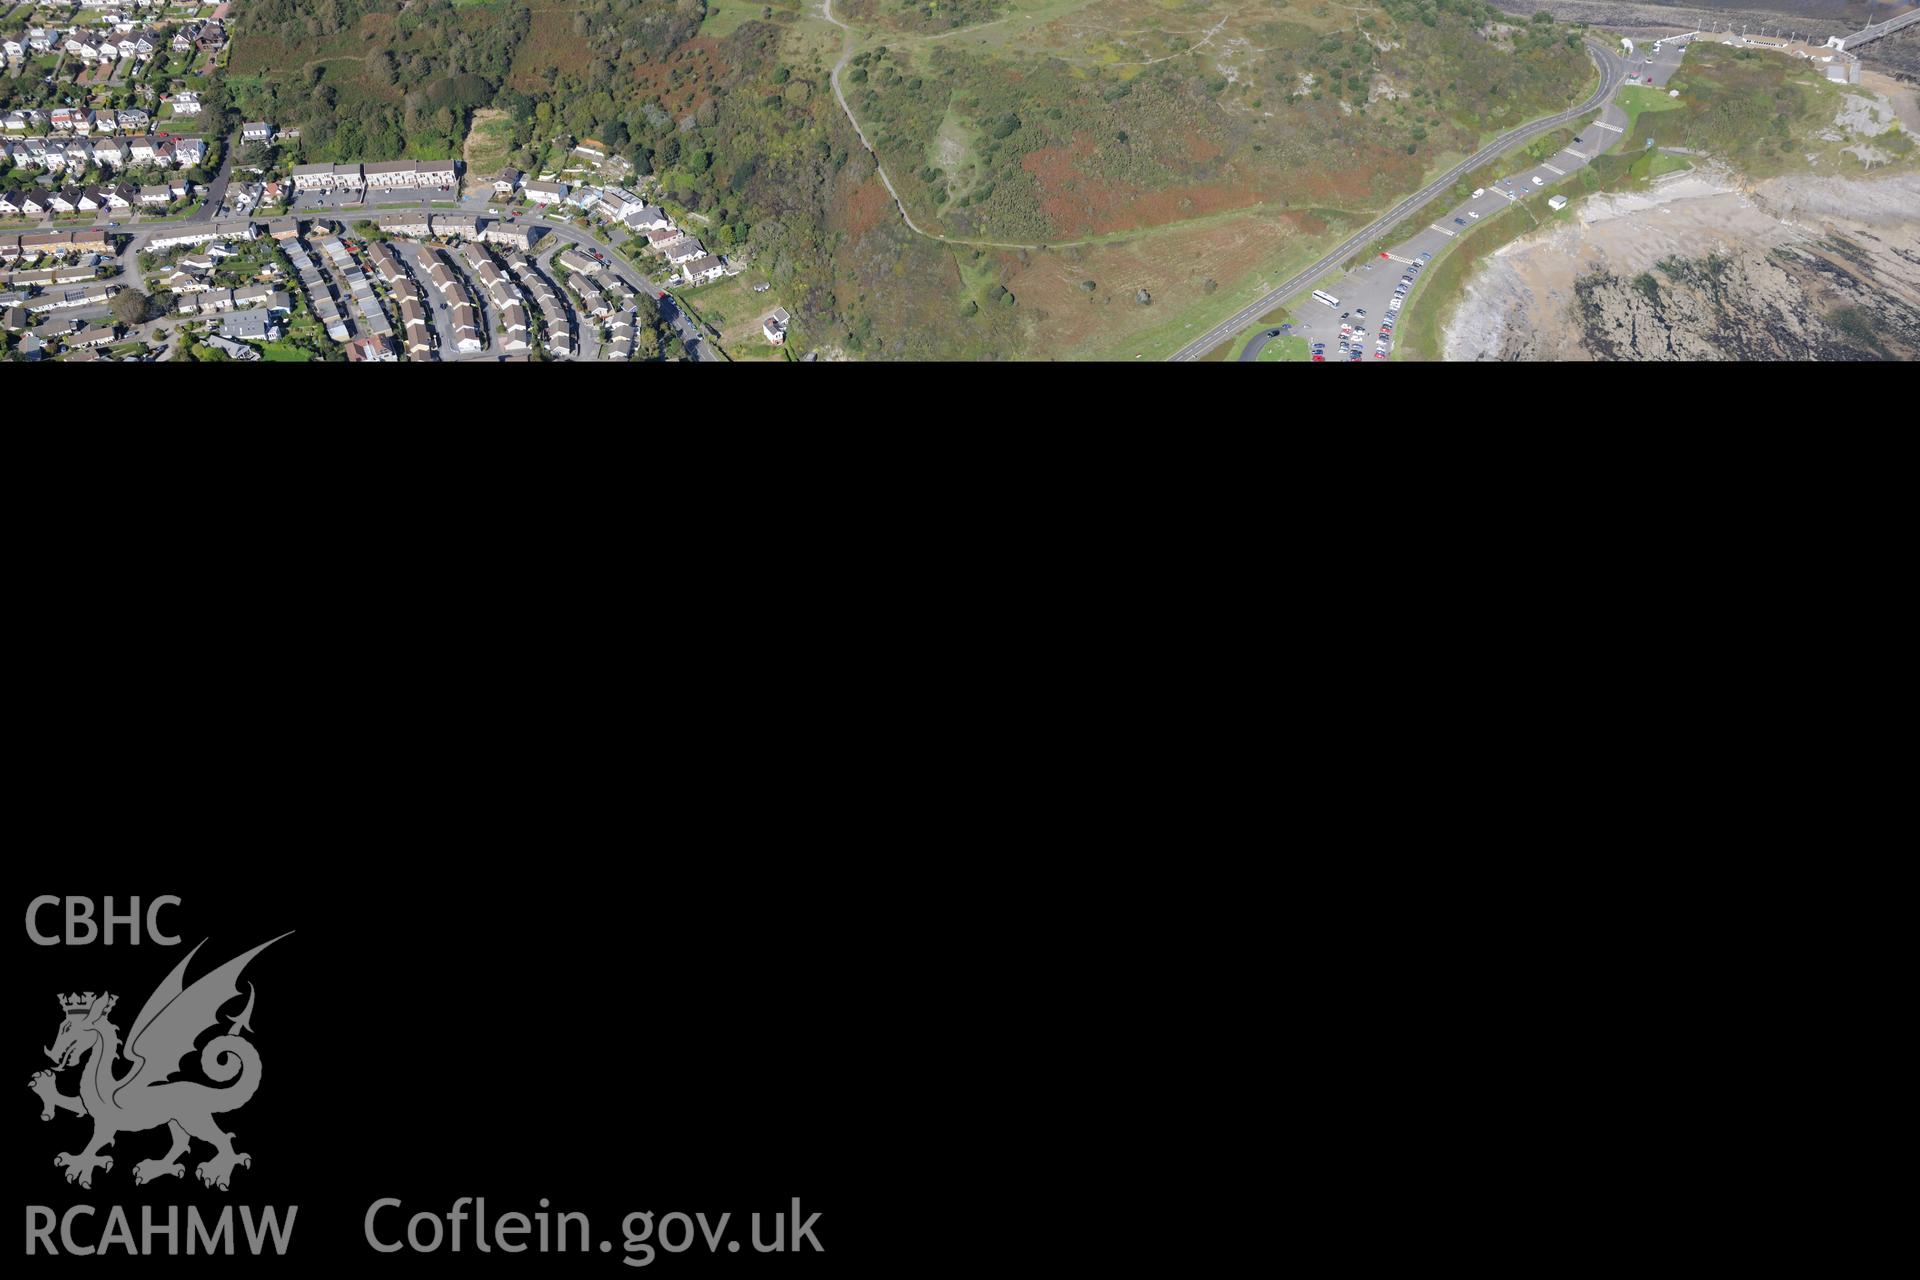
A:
[(1705, 267)]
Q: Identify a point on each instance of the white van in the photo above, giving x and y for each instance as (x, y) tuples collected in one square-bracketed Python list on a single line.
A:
[(1478, 192)]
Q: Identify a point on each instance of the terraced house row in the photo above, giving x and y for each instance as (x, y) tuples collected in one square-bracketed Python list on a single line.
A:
[(83, 121), (509, 304), (381, 175), (553, 312), (35, 203), (53, 155), (33, 244), (416, 325)]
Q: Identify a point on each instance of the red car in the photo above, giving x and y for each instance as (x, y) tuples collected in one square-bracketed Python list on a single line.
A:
[(1319, 359)]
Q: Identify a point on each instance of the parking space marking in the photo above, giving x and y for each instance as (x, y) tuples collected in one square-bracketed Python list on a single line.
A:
[(1434, 226), (1603, 125), (1550, 169), (1583, 155)]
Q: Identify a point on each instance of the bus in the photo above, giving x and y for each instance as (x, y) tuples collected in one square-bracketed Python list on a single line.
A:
[(1327, 298)]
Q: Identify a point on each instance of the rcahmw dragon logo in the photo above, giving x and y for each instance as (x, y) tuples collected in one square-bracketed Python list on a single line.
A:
[(147, 1097)]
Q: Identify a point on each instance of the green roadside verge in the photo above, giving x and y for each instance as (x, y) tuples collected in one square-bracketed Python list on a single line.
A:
[(1440, 288)]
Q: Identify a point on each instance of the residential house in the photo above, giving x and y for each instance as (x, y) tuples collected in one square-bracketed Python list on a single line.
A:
[(466, 327), (188, 152), (462, 227), (283, 228), (545, 192), (10, 202), (372, 347), (648, 218), (313, 177), (441, 276), (409, 223), (775, 325), (155, 197), (685, 249), (109, 153), (186, 104), (94, 335), (256, 131), (508, 181), (250, 326), (201, 233), (512, 234), (703, 269)]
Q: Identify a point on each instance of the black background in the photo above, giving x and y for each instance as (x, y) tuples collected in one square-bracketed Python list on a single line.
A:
[(543, 1009)]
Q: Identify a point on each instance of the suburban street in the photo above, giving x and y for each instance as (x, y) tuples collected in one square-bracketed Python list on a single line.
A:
[(554, 236), (1614, 70)]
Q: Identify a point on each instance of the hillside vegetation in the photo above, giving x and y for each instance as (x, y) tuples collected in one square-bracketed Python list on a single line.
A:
[(1114, 118), (1264, 127)]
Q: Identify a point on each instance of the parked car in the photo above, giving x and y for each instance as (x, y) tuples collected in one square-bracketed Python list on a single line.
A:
[(1460, 221)]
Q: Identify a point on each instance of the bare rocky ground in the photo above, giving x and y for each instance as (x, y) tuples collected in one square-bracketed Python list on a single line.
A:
[(1706, 265), (1704, 268)]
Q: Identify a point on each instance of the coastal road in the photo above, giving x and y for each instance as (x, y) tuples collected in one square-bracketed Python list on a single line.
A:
[(1376, 293), (1613, 72)]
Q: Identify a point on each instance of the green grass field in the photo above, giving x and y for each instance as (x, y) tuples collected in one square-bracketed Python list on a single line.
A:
[(1288, 347), (1635, 99)]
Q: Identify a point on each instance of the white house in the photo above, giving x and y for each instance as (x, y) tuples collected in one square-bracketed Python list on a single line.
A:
[(702, 269), (545, 192)]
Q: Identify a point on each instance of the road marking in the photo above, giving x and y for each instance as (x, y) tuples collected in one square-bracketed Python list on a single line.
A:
[(1550, 169), (1437, 227), (1508, 194), (1583, 155), (1601, 125)]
